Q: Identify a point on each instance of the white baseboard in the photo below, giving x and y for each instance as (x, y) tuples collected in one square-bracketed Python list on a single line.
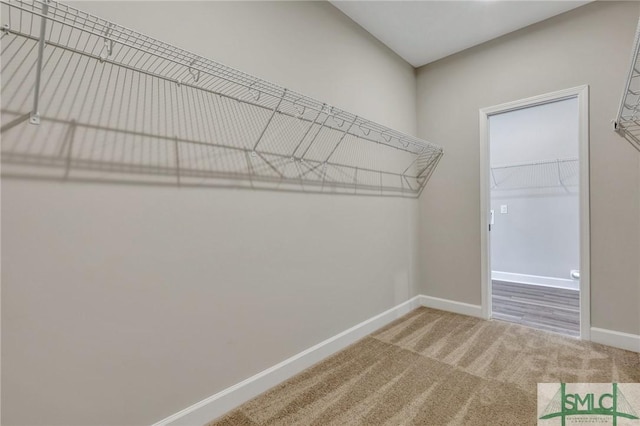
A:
[(617, 339), (535, 280), (234, 396), (451, 306)]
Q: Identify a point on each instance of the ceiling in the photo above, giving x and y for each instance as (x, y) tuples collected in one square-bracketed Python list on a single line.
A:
[(425, 31)]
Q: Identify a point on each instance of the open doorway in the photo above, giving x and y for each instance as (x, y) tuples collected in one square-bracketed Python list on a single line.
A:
[(535, 212)]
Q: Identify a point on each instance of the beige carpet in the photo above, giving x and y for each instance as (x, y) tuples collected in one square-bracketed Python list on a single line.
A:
[(435, 368)]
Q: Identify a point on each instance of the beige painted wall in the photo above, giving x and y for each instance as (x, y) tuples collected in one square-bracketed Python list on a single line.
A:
[(590, 45), (124, 304)]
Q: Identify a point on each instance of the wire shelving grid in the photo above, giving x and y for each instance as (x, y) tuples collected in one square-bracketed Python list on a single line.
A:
[(106, 102), (536, 175), (627, 122)]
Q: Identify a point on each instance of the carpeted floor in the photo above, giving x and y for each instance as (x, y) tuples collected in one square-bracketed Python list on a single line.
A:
[(435, 368)]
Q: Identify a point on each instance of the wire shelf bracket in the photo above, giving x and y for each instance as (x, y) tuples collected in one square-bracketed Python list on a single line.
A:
[(627, 122), (34, 118), (111, 104)]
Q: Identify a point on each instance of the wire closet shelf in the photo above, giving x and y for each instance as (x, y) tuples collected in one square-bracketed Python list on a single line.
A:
[(107, 103), (627, 122), (558, 173)]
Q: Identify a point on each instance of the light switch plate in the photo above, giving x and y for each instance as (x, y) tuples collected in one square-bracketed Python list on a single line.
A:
[(504, 209)]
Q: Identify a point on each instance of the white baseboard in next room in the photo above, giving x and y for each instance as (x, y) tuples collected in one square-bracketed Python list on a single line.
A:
[(512, 277)]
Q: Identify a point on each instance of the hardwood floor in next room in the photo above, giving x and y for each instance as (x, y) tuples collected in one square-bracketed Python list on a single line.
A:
[(545, 308)]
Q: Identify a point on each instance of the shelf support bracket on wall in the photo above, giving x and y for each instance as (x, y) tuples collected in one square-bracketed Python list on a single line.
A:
[(493, 176), (107, 50), (559, 175), (415, 160), (344, 133), (315, 120), (266, 126), (177, 154), (316, 135), (34, 117)]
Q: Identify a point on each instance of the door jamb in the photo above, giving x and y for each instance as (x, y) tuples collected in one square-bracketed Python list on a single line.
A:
[(582, 94)]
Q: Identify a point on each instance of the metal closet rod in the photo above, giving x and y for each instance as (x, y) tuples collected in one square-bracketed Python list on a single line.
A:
[(195, 65)]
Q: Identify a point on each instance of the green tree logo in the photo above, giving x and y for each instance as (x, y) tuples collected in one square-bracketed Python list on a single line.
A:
[(612, 404)]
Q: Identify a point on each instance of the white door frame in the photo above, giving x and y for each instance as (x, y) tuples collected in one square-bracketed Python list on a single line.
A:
[(582, 94)]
